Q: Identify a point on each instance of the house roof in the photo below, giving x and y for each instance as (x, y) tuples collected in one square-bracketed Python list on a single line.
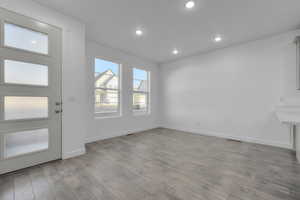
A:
[(110, 74), (142, 86)]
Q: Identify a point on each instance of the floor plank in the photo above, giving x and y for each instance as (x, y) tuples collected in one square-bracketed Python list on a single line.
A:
[(162, 164), (41, 187), (6, 187), (23, 186)]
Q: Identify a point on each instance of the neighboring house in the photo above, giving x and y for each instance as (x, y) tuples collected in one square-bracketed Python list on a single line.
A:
[(142, 86), (106, 97), (140, 98), (106, 79)]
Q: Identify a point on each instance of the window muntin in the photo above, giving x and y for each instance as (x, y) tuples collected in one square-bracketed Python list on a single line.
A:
[(25, 39), (106, 87), (141, 90)]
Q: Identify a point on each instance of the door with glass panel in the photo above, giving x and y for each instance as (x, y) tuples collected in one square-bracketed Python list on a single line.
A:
[(30, 100)]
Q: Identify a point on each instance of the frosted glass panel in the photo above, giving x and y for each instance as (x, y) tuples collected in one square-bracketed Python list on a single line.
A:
[(26, 142), (16, 107), (25, 73), (26, 39)]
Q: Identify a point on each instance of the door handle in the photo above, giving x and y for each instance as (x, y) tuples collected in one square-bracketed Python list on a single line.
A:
[(58, 103)]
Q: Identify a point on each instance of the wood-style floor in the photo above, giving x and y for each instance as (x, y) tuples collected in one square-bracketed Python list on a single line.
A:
[(162, 164)]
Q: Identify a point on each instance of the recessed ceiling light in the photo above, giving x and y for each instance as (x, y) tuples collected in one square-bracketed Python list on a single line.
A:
[(190, 4), (139, 32), (218, 38), (175, 51), (33, 42)]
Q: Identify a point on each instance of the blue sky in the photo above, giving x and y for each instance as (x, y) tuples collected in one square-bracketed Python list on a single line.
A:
[(103, 65), (139, 74)]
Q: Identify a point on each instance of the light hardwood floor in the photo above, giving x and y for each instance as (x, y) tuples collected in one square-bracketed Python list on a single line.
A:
[(162, 164)]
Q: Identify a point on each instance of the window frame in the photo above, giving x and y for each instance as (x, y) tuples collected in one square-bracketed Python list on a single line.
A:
[(147, 93), (116, 113)]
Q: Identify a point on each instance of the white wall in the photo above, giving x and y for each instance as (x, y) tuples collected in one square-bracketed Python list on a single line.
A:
[(79, 123), (102, 128), (232, 92), (73, 72)]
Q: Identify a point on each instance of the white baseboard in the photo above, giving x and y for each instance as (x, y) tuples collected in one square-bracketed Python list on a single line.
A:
[(104, 137), (228, 136), (75, 153), (115, 134)]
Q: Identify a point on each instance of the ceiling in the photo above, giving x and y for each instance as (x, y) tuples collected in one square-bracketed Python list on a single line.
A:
[(167, 24)]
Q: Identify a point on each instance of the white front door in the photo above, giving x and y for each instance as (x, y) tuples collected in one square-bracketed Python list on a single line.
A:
[(30, 92)]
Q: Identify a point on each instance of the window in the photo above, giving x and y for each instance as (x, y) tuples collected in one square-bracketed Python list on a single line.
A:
[(107, 87), (25, 39), (16, 72), (24, 142), (141, 90), (25, 107)]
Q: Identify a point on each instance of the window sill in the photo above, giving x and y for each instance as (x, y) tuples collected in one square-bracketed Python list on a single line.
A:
[(141, 113), (106, 115)]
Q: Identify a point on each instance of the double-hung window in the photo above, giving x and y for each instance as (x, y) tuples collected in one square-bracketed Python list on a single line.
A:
[(141, 91), (107, 87)]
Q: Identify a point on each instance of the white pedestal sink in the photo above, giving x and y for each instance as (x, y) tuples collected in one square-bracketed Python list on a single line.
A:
[(288, 112)]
